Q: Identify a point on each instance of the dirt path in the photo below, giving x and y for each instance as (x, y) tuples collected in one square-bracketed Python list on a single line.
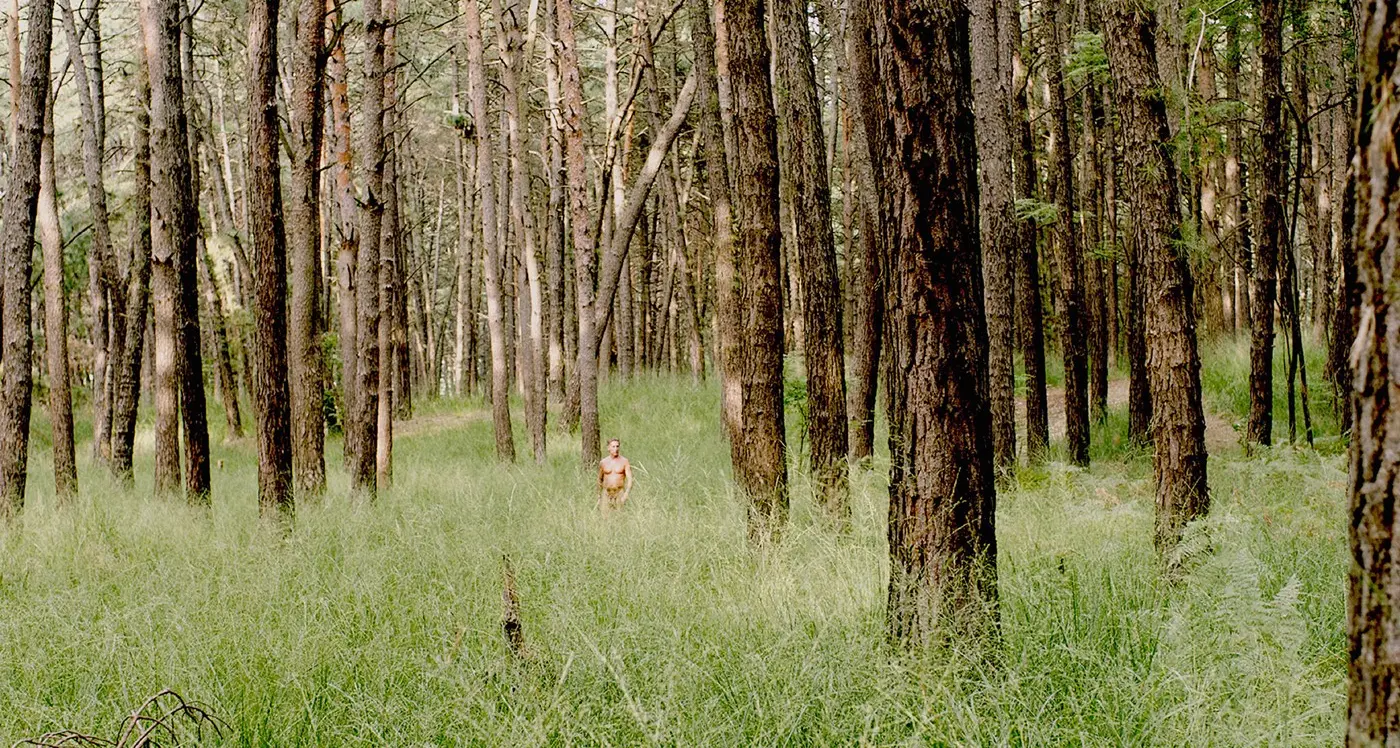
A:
[(424, 425), (1220, 435)]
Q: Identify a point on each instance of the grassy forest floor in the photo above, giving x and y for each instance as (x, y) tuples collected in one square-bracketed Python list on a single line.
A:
[(379, 624)]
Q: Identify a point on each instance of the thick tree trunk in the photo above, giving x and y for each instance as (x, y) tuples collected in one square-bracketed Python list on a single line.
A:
[(1073, 334), (804, 155), (992, 102), (1271, 224), (575, 159), (363, 423), (265, 228), (1373, 600), (16, 252), (65, 469), (485, 176), (758, 448), (304, 235), (1178, 425), (942, 490)]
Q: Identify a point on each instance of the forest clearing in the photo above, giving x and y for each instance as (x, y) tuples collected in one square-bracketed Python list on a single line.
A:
[(379, 624), (743, 372)]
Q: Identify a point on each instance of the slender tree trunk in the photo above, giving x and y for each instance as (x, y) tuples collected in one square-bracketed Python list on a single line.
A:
[(266, 230), (347, 246), (554, 223), (758, 448), (1178, 425), (579, 215), (390, 246), (304, 234), (1032, 327), (1373, 611), (1271, 224), (942, 490), (228, 384), (804, 154), (485, 171), (992, 100), (65, 469), (1234, 186), (1072, 327)]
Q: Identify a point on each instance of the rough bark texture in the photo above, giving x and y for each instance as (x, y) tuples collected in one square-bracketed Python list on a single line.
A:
[(575, 160), (363, 422), (942, 490), (126, 377), (758, 448), (1178, 425), (304, 237), (348, 244), (65, 469), (1373, 600), (1271, 169), (804, 155), (1072, 328), (992, 100), (1030, 304), (265, 228), (16, 243), (485, 170)]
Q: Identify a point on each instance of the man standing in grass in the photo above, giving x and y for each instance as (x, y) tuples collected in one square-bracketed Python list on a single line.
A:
[(614, 478)]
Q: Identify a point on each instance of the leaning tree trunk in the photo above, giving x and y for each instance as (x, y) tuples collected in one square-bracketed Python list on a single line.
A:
[(1073, 334), (269, 266), (65, 469), (1373, 600), (942, 489), (485, 171), (804, 154), (304, 232), (992, 100), (1271, 224), (16, 243), (758, 448), (1178, 423)]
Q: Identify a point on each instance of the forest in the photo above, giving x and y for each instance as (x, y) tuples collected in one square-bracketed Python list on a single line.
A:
[(981, 372)]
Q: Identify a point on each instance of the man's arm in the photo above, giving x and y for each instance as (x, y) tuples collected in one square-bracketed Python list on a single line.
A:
[(627, 470)]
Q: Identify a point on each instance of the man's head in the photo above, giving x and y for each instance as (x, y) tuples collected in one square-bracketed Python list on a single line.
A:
[(613, 447)]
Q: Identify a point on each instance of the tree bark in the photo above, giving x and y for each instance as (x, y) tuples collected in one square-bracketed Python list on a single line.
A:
[(758, 449), (942, 490), (363, 424), (804, 154), (304, 234), (1373, 610), (65, 469), (348, 244), (1031, 318), (16, 243), (1178, 424), (266, 230), (1271, 225), (485, 170), (228, 384), (991, 104)]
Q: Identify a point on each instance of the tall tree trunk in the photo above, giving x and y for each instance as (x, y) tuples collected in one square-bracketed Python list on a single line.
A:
[(554, 223), (1031, 319), (575, 160), (390, 245), (228, 384), (1271, 225), (266, 230), (347, 246), (758, 448), (992, 101), (1073, 334), (65, 469), (485, 171), (1234, 186), (804, 154), (304, 234), (16, 252), (942, 490), (1373, 610), (1178, 424), (126, 366), (363, 424)]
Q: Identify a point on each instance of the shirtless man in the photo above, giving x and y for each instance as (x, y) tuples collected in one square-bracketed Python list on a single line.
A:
[(614, 478)]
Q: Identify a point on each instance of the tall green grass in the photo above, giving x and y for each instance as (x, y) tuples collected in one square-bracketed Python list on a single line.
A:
[(1225, 385), (379, 623)]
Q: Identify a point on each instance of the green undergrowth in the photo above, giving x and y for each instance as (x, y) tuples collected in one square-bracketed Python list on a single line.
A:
[(379, 623)]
